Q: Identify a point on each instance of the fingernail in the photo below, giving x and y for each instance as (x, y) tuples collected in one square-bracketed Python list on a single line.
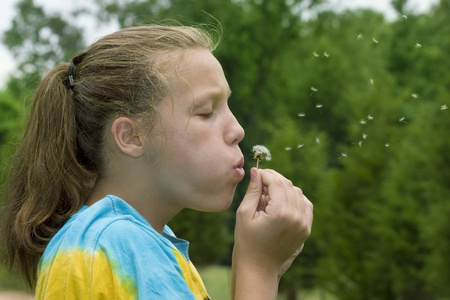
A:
[(253, 173)]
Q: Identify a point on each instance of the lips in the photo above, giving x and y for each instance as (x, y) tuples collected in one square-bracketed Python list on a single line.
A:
[(239, 168)]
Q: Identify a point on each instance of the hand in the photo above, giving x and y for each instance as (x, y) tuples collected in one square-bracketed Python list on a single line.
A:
[(272, 223)]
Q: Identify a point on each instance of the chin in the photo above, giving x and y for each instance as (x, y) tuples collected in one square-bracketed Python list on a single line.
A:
[(217, 205)]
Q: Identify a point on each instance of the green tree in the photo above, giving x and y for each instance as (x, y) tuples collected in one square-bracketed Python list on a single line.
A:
[(301, 156), (39, 41)]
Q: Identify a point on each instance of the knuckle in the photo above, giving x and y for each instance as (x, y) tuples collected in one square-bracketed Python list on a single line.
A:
[(278, 182), (289, 183)]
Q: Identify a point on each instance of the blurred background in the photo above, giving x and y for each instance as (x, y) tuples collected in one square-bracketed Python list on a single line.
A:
[(351, 97)]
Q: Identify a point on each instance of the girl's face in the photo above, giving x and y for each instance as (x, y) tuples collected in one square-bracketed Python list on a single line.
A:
[(201, 162)]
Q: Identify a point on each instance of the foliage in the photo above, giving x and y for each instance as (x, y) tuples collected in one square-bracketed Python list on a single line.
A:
[(10, 281), (40, 40), (352, 107)]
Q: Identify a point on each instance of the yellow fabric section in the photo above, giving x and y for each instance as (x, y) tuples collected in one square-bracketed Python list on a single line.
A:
[(82, 275), (192, 277)]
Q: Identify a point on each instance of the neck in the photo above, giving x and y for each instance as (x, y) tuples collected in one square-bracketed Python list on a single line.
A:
[(156, 212)]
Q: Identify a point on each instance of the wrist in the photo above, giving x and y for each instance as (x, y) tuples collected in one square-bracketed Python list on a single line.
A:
[(253, 280)]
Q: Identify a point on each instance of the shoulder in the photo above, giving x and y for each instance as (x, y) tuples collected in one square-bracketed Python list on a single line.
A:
[(109, 224)]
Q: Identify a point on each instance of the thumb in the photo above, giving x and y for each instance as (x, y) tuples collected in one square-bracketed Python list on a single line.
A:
[(254, 190)]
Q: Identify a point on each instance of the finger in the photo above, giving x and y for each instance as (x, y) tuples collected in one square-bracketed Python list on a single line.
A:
[(254, 191), (276, 186), (300, 201), (309, 208)]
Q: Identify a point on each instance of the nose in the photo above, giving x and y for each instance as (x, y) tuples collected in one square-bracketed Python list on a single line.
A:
[(235, 133)]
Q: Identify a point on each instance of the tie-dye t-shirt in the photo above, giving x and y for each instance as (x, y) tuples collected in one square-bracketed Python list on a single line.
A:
[(109, 251)]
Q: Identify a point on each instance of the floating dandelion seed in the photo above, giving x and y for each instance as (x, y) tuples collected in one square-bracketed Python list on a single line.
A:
[(301, 115), (313, 90), (405, 17), (364, 136), (362, 121), (369, 117), (288, 148), (319, 106), (344, 154), (402, 120), (414, 95), (375, 40), (386, 145), (359, 36), (371, 81), (325, 53), (261, 152), (317, 140), (418, 45), (315, 54), (360, 143), (299, 146), (444, 108)]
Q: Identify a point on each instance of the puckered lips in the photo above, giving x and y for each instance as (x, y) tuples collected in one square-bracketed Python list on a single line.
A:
[(239, 168)]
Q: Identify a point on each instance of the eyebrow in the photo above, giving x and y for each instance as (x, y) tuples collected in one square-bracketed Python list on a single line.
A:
[(212, 94)]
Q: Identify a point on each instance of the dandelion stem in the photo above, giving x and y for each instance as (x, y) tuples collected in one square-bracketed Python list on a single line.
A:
[(257, 163)]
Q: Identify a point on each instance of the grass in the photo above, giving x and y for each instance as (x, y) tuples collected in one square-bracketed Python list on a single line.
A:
[(217, 283)]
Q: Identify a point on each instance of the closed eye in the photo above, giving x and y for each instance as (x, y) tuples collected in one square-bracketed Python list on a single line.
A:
[(207, 115)]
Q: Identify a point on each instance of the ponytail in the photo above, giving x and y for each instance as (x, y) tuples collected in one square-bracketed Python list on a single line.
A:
[(46, 184)]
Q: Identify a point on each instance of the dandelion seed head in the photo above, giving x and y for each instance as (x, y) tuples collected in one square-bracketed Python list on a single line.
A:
[(261, 152)]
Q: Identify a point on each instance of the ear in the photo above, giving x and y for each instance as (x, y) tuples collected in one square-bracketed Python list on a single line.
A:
[(124, 132)]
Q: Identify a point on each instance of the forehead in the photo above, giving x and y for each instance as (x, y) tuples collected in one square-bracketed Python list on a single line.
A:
[(199, 74)]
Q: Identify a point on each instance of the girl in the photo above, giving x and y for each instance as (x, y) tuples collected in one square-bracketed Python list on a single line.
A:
[(135, 129)]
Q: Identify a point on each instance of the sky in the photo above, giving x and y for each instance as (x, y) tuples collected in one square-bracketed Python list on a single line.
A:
[(7, 12)]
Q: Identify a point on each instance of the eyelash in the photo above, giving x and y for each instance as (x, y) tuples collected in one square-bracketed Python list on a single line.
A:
[(208, 115)]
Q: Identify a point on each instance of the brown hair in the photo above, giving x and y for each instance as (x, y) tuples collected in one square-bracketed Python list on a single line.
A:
[(59, 158)]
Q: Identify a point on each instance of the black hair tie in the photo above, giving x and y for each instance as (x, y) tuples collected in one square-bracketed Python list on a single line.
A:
[(72, 73)]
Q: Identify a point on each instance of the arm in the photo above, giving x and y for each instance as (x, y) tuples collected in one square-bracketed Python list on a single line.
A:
[(271, 228)]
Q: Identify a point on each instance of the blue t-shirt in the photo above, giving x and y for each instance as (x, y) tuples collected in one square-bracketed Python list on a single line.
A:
[(109, 251)]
